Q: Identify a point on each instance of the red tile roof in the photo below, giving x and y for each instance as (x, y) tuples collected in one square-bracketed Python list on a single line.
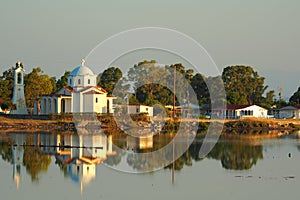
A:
[(92, 92), (96, 87), (69, 89)]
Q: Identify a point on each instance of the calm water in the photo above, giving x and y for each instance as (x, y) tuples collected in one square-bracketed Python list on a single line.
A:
[(71, 166)]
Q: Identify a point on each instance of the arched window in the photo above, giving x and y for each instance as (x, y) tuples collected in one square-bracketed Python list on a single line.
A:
[(19, 78), (79, 82), (96, 100), (89, 81)]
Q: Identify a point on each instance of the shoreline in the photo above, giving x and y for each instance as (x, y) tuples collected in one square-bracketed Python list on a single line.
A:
[(230, 127)]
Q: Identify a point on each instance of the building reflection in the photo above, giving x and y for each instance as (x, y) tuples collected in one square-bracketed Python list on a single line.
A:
[(18, 140), (139, 143), (78, 154)]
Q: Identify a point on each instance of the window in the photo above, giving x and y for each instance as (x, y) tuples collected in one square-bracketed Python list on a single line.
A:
[(19, 77), (146, 109), (78, 81), (89, 81), (137, 110), (70, 81), (96, 100)]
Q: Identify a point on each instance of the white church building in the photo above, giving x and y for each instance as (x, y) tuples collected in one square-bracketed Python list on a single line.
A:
[(81, 95)]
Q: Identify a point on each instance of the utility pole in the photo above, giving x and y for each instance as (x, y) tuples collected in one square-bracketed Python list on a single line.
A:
[(280, 93), (174, 89)]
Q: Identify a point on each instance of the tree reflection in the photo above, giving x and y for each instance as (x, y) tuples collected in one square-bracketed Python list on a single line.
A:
[(34, 161), (5, 150), (237, 155), (242, 155)]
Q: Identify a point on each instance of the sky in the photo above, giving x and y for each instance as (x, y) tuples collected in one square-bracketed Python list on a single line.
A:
[(55, 35)]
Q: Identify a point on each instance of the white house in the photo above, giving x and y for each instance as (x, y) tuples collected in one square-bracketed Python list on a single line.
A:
[(138, 109), (234, 111), (81, 95), (290, 112)]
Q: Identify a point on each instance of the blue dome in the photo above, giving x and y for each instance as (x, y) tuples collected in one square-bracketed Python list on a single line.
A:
[(81, 71)]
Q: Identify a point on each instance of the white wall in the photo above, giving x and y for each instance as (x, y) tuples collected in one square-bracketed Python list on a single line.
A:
[(146, 109), (76, 102), (88, 103), (137, 109), (256, 111)]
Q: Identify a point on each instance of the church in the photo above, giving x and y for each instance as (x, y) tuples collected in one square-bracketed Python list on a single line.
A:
[(81, 95)]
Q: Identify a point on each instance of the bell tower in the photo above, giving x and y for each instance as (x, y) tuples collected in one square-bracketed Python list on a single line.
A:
[(18, 95)]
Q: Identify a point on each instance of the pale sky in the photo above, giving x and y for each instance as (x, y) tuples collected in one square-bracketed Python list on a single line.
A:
[(55, 35)]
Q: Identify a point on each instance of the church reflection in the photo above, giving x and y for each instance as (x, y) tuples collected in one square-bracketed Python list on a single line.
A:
[(77, 154)]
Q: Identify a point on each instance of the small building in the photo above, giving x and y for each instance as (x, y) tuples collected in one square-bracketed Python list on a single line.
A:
[(134, 109), (138, 109), (289, 112), (81, 95), (234, 111)]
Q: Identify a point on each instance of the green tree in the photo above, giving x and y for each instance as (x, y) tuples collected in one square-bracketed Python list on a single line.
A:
[(200, 88), (144, 76), (280, 103), (109, 78), (243, 85), (53, 83), (7, 86), (269, 100), (63, 81), (36, 84), (154, 83), (295, 98)]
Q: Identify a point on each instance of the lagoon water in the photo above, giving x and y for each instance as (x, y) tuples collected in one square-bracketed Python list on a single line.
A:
[(69, 166)]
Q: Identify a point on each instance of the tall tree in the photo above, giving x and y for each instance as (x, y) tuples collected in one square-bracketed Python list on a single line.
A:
[(243, 85), (109, 78), (36, 84), (154, 83), (269, 100), (6, 87), (63, 81), (149, 80), (295, 98), (200, 88)]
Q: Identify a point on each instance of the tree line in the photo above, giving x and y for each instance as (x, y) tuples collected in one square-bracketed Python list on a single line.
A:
[(150, 83)]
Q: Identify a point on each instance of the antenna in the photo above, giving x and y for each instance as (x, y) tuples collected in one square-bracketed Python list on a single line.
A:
[(280, 93)]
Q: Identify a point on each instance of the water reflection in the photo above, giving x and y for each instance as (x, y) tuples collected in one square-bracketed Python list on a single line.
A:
[(17, 155), (78, 154), (233, 154), (238, 155)]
